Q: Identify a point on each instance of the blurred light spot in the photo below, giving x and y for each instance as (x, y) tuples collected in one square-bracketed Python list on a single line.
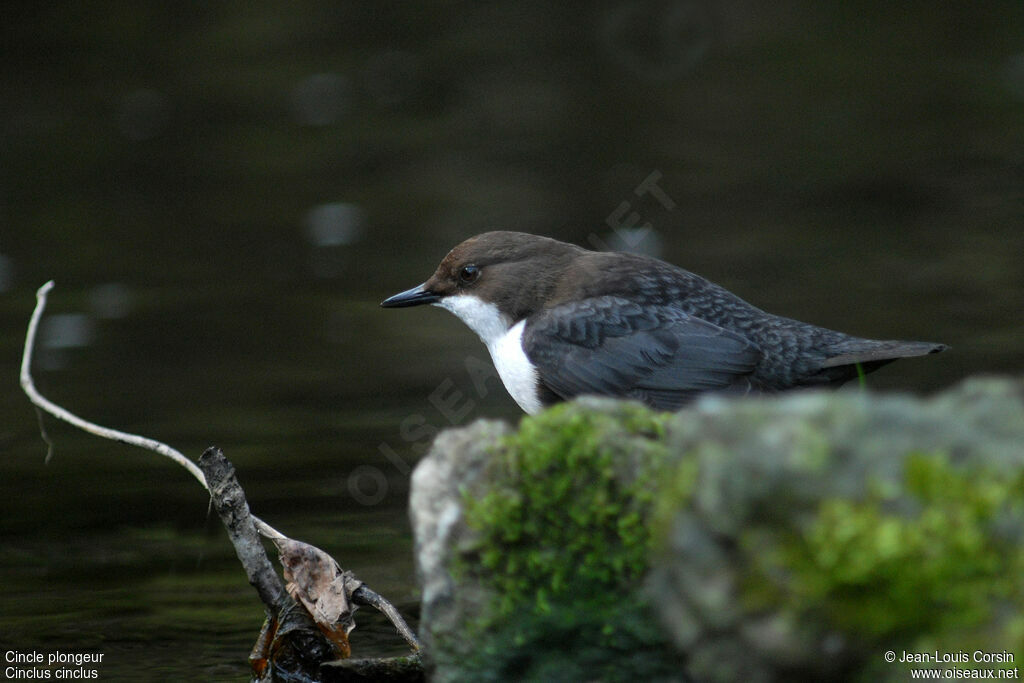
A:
[(335, 224), (657, 40), (636, 241), (320, 99), (67, 331), (143, 114), (6, 272), (392, 77), (112, 300), (1013, 75)]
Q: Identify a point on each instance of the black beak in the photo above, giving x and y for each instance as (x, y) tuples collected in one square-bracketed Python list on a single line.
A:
[(410, 297)]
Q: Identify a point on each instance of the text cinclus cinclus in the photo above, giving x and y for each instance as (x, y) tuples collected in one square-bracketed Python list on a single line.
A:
[(561, 321)]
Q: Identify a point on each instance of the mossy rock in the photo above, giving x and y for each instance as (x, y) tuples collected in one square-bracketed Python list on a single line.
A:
[(823, 530), (793, 538), (547, 539)]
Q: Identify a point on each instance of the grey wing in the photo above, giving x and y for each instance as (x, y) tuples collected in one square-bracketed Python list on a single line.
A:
[(614, 347)]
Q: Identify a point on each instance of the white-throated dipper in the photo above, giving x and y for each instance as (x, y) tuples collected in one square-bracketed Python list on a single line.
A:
[(561, 321)]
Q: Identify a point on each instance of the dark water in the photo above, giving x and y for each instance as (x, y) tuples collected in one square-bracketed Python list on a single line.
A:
[(224, 194)]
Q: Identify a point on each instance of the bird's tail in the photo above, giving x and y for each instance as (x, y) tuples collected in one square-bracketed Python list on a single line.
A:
[(870, 351), (856, 356)]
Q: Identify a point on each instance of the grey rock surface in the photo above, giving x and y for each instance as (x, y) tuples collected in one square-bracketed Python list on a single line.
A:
[(456, 463)]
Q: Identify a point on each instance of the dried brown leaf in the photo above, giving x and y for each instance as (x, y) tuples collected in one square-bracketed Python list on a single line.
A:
[(318, 583)]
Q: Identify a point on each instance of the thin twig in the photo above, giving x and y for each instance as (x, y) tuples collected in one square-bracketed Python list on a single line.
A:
[(45, 404), (364, 596), (38, 399), (42, 433)]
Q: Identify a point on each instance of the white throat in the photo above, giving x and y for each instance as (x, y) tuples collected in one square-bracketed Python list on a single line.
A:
[(482, 317), (504, 342)]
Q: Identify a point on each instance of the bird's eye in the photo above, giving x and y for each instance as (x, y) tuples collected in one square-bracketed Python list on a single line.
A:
[(469, 274)]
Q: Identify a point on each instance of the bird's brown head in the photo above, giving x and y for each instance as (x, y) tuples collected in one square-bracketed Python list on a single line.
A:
[(512, 270)]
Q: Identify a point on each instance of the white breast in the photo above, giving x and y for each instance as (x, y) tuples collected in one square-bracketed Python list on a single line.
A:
[(517, 372), (504, 343)]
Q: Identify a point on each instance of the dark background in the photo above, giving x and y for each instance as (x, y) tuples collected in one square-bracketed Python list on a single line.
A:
[(224, 193)]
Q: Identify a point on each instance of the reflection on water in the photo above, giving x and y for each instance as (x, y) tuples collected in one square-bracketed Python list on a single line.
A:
[(224, 196)]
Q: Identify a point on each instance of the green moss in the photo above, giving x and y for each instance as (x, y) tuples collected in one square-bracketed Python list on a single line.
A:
[(564, 529), (926, 559)]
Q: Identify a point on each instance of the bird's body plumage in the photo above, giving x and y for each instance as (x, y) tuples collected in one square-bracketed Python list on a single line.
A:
[(566, 321)]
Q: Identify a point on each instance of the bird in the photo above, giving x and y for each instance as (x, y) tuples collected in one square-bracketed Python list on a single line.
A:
[(562, 321)]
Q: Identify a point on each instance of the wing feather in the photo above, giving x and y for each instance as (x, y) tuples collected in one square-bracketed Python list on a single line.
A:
[(615, 347)]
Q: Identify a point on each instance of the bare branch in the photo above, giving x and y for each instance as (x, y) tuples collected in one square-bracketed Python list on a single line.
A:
[(229, 499), (61, 414), (45, 404), (364, 596)]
